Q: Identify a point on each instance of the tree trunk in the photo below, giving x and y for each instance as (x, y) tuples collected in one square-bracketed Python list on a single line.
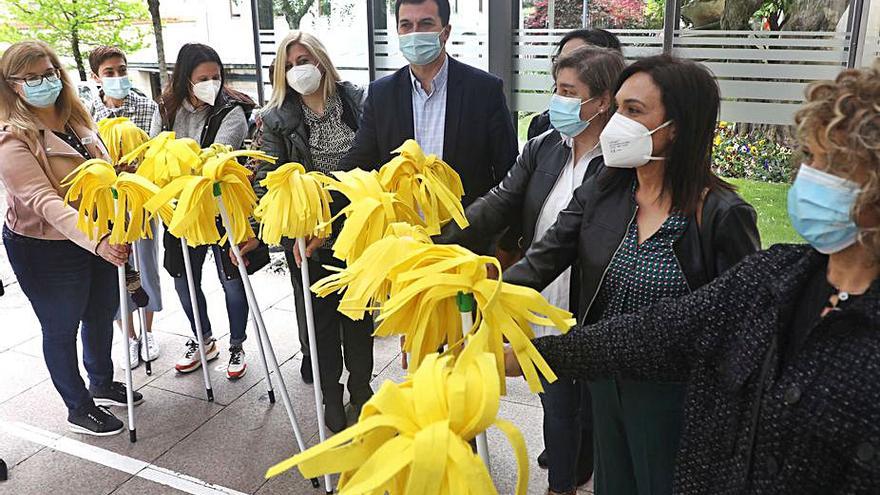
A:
[(77, 54), (160, 41), (294, 15), (738, 14), (815, 15)]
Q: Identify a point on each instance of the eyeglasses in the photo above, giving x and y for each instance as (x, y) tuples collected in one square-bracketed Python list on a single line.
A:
[(34, 81)]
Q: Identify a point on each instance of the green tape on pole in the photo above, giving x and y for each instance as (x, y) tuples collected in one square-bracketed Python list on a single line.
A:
[(465, 302), (115, 194), (216, 189)]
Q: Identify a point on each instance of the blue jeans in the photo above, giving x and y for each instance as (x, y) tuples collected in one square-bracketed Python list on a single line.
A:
[(567, 417), (236, 299), (67, 285)]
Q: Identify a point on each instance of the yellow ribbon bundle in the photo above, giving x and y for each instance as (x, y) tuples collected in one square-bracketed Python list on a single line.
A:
[(164, 158), (95, 184), (121, 136), (370, 211), (365, 282), (426, 184), (235, 188), (295, 205), (412, 438)]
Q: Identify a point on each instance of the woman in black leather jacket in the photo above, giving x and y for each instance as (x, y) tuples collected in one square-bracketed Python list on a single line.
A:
[(782, 352), (655, 223), (535, 189), (312, 119)]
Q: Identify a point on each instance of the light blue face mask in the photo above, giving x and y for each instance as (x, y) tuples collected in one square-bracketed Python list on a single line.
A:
[(565, 115), (116, 87), (820, 207), (45, 94), (420, 48)]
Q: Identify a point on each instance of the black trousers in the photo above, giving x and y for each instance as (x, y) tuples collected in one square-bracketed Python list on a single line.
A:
[(339, 339)]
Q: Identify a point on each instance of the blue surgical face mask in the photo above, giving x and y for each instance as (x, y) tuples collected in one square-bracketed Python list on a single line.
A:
[(820, 206), (116, 87), (45, 94), (565, 115), (420, 48)]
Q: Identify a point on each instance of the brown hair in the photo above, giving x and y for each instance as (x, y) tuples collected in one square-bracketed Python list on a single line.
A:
[(14, 112), (841, 120), (103, 53), (598, 68)]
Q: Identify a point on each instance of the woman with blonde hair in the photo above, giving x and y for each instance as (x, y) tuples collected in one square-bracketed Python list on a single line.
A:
[(45, 133), (312, 119), (781, 353)]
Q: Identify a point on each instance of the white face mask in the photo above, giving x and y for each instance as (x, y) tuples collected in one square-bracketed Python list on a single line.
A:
[(304, 79), (207, 91), (627, 143)]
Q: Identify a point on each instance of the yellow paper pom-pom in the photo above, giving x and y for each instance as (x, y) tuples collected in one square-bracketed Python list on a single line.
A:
[(164, 158), (413, 437), (370, 211), (426, 184), (195, 214), (295, 205), (235, 188), (121, 136)]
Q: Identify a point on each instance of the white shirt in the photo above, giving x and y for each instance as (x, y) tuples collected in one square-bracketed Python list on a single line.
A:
[(429, 111), (571, 177)]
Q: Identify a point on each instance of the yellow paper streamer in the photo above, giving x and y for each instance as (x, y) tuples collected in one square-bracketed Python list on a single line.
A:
[(295, 205), (93, 184), (164, 158), (121, 136), (370, 211), (412, 438), (235, 189), (426, 184)]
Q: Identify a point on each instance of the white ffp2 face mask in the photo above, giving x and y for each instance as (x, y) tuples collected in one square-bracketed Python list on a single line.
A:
[(304, 79), (207, 91), (627, 143)]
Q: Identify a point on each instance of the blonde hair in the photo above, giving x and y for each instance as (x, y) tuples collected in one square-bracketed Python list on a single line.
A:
[(279, 71), (14, 112), (841, 120)]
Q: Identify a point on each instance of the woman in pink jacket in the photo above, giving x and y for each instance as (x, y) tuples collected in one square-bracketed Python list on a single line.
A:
[(45, 133)]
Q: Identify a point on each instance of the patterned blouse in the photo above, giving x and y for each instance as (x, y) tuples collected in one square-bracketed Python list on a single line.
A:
[(642, 274), (329, 140)]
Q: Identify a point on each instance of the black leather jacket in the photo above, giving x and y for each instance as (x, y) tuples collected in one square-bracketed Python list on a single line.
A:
[(517, 200), (592, 228)]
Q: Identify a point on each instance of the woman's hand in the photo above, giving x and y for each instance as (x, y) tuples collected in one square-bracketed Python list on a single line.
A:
[(116, 254), (244, 247), (312, 243), (511, 364)]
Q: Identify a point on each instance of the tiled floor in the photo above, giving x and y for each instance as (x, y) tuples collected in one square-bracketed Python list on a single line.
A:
[(228, 443)]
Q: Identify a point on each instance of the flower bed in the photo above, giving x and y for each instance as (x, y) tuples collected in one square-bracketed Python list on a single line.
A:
[(751, 156)]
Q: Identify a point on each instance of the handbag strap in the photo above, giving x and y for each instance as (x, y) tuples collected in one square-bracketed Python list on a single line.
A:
[(756, 405)]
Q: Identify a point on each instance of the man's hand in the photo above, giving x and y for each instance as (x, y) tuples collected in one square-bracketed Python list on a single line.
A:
[(245, 247), (511, 365), (312, 243)]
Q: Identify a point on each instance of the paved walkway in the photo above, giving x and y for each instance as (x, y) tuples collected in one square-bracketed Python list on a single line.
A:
[(186, 444)]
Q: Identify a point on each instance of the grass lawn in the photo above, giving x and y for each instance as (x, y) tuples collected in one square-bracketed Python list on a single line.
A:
[(769, 200)]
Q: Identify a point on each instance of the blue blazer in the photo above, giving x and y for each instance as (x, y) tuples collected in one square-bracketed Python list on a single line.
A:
[(480, 142)]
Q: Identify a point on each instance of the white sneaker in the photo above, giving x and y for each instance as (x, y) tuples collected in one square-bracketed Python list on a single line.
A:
[(190, 360), (133, 354), (237, 367), (149, 347)]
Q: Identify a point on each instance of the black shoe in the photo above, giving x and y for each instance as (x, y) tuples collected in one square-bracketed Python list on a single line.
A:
[(305, 369), (334, 416), (114, 395), (542, 459), (94, 420)]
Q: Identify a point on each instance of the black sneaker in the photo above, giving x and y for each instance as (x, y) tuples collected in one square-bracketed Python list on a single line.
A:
[(305, 369), (114, 395), (542, 459), (334, 416), (94, 420)]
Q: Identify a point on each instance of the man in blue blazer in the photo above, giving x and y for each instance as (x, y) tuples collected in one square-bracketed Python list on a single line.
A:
[(451, 109)]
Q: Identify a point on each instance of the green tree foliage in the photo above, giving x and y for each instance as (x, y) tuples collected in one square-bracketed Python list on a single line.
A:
[(73, 27)]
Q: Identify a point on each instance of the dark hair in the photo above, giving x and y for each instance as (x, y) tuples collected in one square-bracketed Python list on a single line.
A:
[(178, 88), (598, 68), (442, 7), (101, 54), (692, 100), (594, 37)]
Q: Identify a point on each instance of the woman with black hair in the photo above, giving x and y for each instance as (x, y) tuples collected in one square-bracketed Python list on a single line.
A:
[(197, 104), (657, 223)]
